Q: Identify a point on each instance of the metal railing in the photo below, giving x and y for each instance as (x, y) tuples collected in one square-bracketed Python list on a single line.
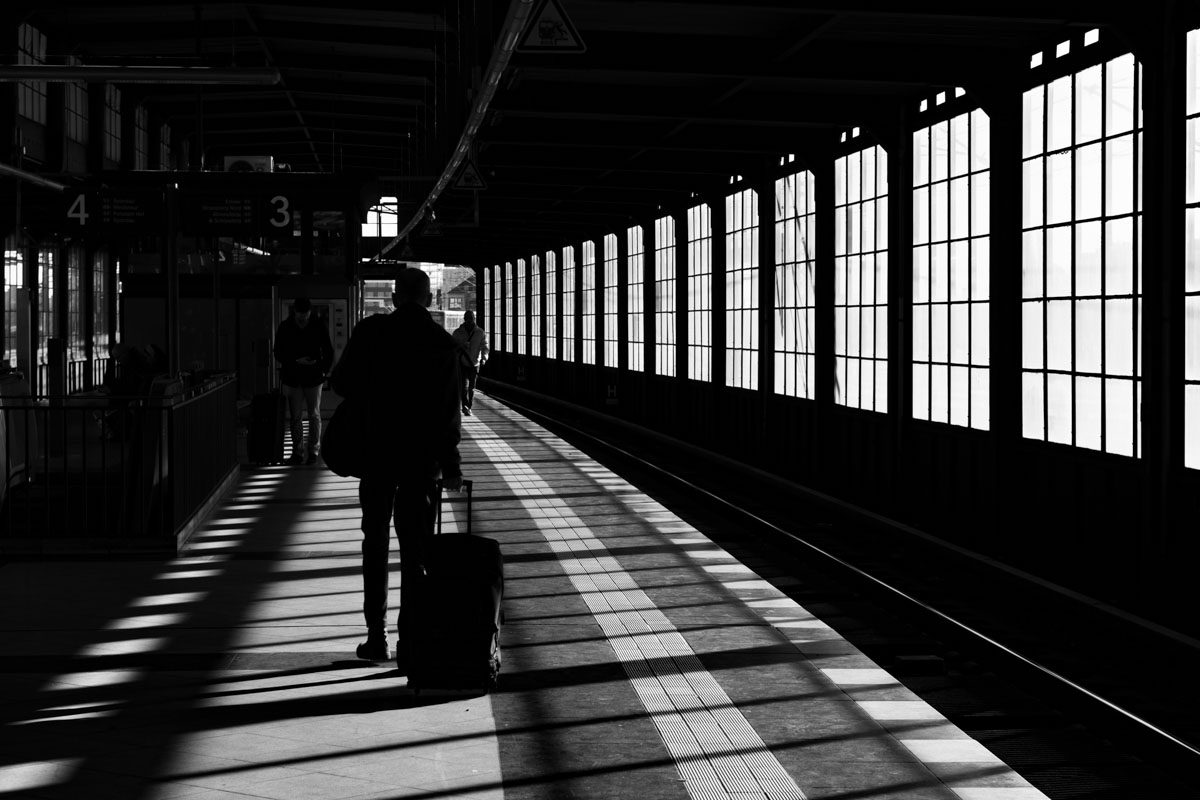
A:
[(77, 373), (111, 472), (99, 367)]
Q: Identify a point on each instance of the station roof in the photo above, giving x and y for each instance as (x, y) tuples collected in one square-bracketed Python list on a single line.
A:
[(498, 124)]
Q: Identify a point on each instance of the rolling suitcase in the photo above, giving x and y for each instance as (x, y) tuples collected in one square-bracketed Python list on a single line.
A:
[(264, 439), (454, 643)]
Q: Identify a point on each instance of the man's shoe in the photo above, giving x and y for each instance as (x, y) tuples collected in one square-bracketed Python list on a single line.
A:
[(312, 458), (294, 459), (373, 650), (466, 411)]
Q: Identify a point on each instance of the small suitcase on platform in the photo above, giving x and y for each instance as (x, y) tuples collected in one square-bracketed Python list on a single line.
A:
[(264, 439), (455, 638)]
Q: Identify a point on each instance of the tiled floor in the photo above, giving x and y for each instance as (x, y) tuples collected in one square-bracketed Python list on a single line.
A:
[(640, 661)]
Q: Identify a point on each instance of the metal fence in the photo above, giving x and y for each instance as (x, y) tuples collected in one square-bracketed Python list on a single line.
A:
[(109, 472)]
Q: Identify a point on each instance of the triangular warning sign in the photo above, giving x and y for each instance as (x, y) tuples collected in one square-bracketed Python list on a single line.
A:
[(549, 31), (469, 178)]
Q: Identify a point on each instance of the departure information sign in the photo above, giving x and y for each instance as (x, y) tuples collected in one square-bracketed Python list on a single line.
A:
[(218, 214), (115, 213)]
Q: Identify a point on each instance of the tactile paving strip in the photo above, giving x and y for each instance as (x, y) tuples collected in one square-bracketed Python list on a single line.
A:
[(718, 753)]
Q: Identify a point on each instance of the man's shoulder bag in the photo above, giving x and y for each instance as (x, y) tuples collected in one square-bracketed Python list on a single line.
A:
[(346, 439)]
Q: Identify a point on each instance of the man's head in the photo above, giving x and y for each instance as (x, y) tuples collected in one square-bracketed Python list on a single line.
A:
[(412, 286), (469, 317), (302, 310)]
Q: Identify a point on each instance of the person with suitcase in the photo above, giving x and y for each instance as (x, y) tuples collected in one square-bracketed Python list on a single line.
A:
[(402, 368), (454, 641)]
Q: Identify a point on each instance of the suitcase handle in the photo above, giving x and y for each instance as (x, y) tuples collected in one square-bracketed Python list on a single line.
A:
[(468, 485)]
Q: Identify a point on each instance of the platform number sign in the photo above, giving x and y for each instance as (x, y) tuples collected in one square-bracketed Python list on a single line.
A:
[(77, 211), (107, 213), (280, 212)]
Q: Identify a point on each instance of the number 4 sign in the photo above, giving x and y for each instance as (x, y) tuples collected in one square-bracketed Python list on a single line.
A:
[(77, 211)]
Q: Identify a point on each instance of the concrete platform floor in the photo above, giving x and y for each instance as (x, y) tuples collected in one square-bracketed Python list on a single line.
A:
[(640, 661)]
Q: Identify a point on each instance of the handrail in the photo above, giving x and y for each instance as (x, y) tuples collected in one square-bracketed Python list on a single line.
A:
[(111, 471)]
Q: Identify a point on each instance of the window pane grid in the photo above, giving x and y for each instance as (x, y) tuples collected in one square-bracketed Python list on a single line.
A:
[(112, 122), (1081, 270), (634, 296), (489, 319), (47, 319), (664, 296), (535, 306), (1191, 375), (951, 308), (520, 308), (31, 95), (164, 146), (76, 108), (550, 279), (14, 279), (741, 289), (795, 272), (509, 331), (75, 334), (699, 299), (141, 138), (587, 304), (611, 290), (383, 219), (860, 279), (568, 304)]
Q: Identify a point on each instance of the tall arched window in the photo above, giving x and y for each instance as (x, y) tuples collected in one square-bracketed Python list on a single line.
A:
[(664, 297), (587, 301), (699, 289), (741, 289), (569, 310), (1081, 271), (611, 289), (634, 297), (521, 308), (1191, 375), (550, 281), (950, 308), (860, 279), (535, 306), (795, 285)]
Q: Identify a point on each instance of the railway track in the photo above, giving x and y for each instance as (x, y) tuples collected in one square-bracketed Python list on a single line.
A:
[(1082, 700)]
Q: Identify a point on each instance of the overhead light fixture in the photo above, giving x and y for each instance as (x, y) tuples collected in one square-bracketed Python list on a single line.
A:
[(259, 76)]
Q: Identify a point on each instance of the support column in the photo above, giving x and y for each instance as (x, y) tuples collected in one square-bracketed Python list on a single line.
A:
[(650, 297), (682, 294), (1004, 110), (899, 306), (171, 256), (1164, 108), (767, 219), (719, 304), (826, 388)]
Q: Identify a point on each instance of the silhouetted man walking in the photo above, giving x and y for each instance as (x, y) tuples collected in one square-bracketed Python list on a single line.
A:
[(404, 366)]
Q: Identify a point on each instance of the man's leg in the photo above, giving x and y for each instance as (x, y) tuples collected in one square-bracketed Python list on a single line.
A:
[(312, 402), (414, 519), (469, 377), (295, 401), (375, 496)]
